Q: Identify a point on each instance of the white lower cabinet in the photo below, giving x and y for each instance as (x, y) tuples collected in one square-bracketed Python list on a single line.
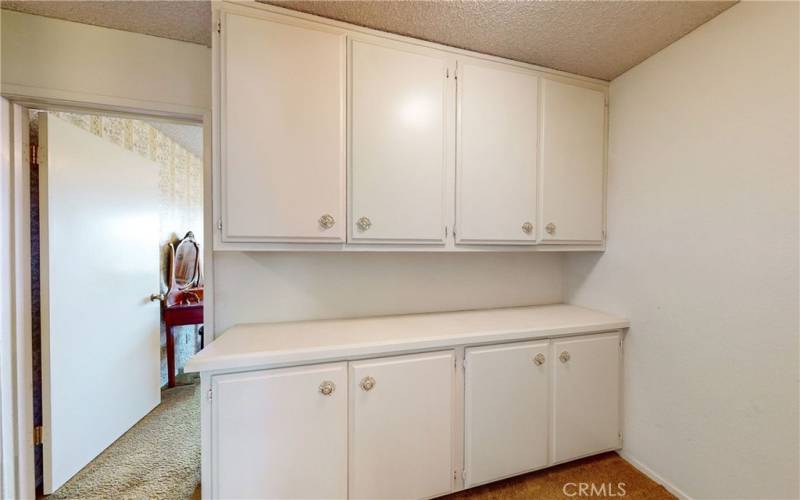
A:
[(401, 426), (280, 433), (506, 410), (586, 396), (384, 428)]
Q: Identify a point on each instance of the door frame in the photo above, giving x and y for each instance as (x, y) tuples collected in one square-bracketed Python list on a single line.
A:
[(17, 474)]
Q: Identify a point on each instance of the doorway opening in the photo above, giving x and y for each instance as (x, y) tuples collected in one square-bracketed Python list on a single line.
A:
[(117, 303)]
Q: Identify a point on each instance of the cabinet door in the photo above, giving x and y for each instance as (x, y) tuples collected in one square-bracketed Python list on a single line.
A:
[(280, 433), (506, 410), (573, 155), (398, 158), (282, 131), (496, 154), (401, 426), (586, 396)]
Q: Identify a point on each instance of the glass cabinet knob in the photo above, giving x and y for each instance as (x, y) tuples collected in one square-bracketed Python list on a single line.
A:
[(327, 387), (367, 383), (527, 228), (327, 221), (364, 223)]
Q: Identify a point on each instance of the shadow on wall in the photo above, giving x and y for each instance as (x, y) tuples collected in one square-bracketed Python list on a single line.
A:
[(577, 269), (268, 287)]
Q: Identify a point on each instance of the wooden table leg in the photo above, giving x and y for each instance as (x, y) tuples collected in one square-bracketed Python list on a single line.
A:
[(170, 357)]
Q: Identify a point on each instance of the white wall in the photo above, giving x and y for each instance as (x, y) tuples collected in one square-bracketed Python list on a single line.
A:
[(51, 58), (254, 287), (703, 255)]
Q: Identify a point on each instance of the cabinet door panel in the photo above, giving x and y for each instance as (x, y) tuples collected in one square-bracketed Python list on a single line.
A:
[(398, 144), (496, 154), (573, 153), (276, 435), (586, 392), (506, 410), (282, 131), (401, 428)]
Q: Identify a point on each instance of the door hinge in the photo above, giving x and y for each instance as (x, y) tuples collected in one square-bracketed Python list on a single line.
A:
[(605, 235), (620, 438), (445, 232), (219, 26), (219, 224), (606, 101), (38, 435), (455, 475), (447, 73), (210, 394)]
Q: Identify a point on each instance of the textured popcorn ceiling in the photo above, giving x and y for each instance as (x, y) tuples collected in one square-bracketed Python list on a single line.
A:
[(188, 21), (592, 38)]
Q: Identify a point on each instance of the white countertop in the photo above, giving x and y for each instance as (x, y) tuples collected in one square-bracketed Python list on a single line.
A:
[(263, 345)]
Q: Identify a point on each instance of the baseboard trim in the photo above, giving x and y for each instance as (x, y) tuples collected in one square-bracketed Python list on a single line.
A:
[(647, 471)]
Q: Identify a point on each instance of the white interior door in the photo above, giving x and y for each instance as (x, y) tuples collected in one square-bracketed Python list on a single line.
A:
[(99, 264), (496, 153), (398, 143), (401, 426), (506, 410)]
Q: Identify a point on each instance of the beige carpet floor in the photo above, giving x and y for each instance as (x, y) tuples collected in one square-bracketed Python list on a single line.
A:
[(158, 459), (608, 469)]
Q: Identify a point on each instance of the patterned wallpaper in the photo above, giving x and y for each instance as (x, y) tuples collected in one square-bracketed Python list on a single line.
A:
[(180, 194)]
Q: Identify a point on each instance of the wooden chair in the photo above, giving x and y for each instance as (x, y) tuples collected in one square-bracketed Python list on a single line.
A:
[(183, 304)]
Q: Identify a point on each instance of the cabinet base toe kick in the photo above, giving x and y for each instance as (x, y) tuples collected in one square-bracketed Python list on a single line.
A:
[(413, 425)]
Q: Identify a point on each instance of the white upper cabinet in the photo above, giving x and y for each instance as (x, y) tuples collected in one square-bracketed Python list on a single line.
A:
[(398, 127), (333, 137), (282, 114), (572, 163), (496, 153)]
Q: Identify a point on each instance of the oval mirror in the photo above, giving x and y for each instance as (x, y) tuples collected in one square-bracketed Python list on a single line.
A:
[(186, 265)]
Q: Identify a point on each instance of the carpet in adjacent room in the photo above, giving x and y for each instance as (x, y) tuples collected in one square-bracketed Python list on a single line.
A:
[(157, 459)]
